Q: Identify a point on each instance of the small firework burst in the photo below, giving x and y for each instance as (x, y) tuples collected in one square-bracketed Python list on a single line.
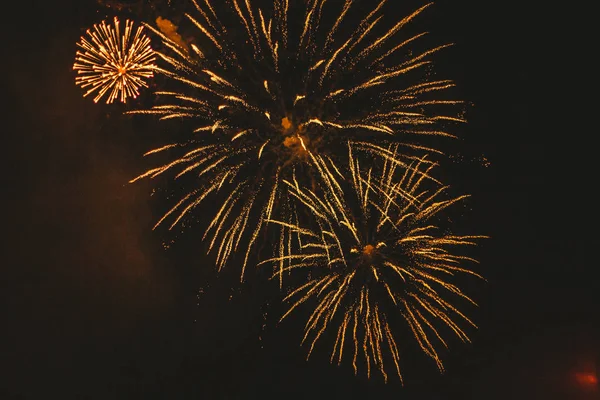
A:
[(113, 63)]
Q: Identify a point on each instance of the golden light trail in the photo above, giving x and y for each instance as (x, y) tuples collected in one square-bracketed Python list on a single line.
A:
[(114, 63), (383, 260)]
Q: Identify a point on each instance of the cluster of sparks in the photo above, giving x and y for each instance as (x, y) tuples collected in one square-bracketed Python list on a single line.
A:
[(375, 247), (114, 63), (281, 111)]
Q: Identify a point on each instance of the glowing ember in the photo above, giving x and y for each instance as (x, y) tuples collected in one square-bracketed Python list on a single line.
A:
[(587, 379), (369, 250)]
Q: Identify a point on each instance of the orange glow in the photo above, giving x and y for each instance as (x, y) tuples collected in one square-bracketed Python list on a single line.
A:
[(369, 249), (286, 123), (297, 144), (587, 379)]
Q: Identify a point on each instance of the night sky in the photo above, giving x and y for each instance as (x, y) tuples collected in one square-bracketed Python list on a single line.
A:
[(99, 306)]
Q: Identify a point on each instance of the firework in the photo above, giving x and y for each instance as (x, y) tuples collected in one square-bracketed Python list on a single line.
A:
[(263, 88), (375, 257), (113, 63)]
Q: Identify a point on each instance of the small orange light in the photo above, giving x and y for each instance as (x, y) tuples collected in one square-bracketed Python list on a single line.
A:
[(586, 379), (369, 250)]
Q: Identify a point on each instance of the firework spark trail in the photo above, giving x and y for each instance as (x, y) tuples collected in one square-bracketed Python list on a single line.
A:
[(113, 63), (270, 96), (374, 250)]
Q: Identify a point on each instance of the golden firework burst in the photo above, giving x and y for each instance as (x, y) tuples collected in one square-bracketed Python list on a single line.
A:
[(113, 63), (259, 96), (374, 249)]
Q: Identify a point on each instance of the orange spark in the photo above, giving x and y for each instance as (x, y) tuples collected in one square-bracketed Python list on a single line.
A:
[(369, 250)]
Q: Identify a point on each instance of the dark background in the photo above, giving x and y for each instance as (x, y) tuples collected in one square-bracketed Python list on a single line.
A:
[(98, 306)]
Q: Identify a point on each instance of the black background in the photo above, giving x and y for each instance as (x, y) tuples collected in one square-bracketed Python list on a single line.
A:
[(96, 308)]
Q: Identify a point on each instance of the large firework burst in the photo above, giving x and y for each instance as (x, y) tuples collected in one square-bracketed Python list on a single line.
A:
[(374, 256), (266, 86), (113, 62)]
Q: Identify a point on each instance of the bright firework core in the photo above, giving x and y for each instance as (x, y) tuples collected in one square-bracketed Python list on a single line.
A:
[(369, 250), (369, 254), (294, 139)]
